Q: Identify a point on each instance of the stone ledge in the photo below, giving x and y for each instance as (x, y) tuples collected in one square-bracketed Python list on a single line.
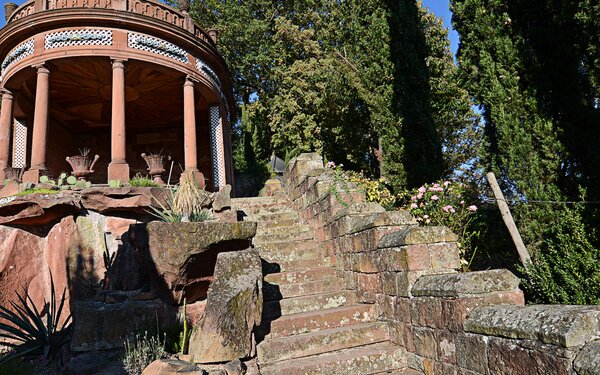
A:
[(587, 361), (465, 284), (564, 326), (418, 235)]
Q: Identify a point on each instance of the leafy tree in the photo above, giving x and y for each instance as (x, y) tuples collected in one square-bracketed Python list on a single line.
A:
[(530, 66), (352, 80)]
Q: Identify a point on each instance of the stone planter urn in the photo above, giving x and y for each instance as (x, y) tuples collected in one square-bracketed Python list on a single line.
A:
[(83, 165), (155, 166), (14, 174)]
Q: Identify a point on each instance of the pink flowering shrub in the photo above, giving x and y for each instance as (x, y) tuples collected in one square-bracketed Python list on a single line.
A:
[(446, 203)]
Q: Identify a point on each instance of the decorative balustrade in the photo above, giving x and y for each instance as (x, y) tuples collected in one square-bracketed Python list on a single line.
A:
[(148, 8)]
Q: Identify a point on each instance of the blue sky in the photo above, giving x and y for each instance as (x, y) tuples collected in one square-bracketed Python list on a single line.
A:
[(441, 8)]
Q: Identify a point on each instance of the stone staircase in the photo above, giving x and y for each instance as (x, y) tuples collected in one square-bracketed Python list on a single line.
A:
[(311, 324)]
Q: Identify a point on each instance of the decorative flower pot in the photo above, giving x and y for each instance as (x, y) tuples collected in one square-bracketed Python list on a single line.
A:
[(83, 165), (15, 174), (155, 166)]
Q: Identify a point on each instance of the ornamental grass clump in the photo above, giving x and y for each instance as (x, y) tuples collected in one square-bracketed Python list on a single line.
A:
[(141, 351), (447, 203), (183, 205)]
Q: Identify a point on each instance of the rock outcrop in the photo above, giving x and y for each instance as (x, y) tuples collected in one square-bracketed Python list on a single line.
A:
[(233, 310), (180, 257)]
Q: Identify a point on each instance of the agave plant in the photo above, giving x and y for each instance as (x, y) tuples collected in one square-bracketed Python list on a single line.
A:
[(31, 331)]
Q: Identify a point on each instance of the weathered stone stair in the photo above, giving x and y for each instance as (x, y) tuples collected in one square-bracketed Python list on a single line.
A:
[(311, 324)]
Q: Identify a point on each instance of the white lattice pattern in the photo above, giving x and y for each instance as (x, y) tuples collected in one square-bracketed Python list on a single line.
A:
[(19, 145), (80, 37), (18, 53), (158, 46), (216, 139), (205, 69)]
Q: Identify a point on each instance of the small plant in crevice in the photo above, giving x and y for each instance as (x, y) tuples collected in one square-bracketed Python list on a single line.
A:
[(65, 182), (340, 179), (34, 332), (142, 181), (142, 350)]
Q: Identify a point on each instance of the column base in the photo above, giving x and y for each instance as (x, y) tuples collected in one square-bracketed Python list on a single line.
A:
[(118, 172), (33, 175), (196, 176)]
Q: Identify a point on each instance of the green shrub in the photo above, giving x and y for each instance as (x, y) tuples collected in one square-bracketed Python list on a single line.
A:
[(37, 191), (33, 332), (447, 203), (142, 181), (141, 351), (566, 265)]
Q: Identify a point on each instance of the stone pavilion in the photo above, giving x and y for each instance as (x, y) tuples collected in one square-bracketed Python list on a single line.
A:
[(119, 77)]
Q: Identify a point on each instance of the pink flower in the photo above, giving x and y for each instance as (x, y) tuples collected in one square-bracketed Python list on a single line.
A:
[(422, 190), (413, 206), (462, 202), (330, 164), (447, 208), (413, 198), (434, 197), (426, 216), (427, 221), (420, 195), (472, 208), (446, 183)]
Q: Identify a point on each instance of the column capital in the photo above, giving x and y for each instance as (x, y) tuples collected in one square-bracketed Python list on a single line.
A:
[(41, 68), (190, 80), (118, 63), (6, 94)]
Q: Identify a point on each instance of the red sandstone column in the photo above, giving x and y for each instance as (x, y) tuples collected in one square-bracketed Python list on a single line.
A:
[(6, 121), (118, 169), (189, 132), (40, 126)]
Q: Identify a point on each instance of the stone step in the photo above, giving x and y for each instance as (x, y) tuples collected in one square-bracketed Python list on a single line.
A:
[(273, 292), (304, 345), (272, 216), (259, 201), (307, 252), (364, 360), (291, 234), (296, 265), (288, 245), (288, 306), (321, 320), (284, 224), (293, 226), (295, 277)]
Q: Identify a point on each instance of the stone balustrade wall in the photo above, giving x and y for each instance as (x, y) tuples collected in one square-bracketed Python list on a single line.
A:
[(449, 322)]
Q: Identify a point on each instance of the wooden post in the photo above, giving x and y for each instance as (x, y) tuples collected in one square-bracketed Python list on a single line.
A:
[(508, 220)]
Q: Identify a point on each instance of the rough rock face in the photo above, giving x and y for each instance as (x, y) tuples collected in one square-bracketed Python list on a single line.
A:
[(38, 209), (234, 308), (180, 257), (72, 250), (122, 199), (222, 199), (102, 326), (43, 209)]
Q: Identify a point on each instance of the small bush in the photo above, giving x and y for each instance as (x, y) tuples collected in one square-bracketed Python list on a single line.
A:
[(447, 203), (37, 191), (142, 181), (141, 351), (566, 266)]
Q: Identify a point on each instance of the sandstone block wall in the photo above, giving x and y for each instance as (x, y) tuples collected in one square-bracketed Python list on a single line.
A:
[(449, 322)]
